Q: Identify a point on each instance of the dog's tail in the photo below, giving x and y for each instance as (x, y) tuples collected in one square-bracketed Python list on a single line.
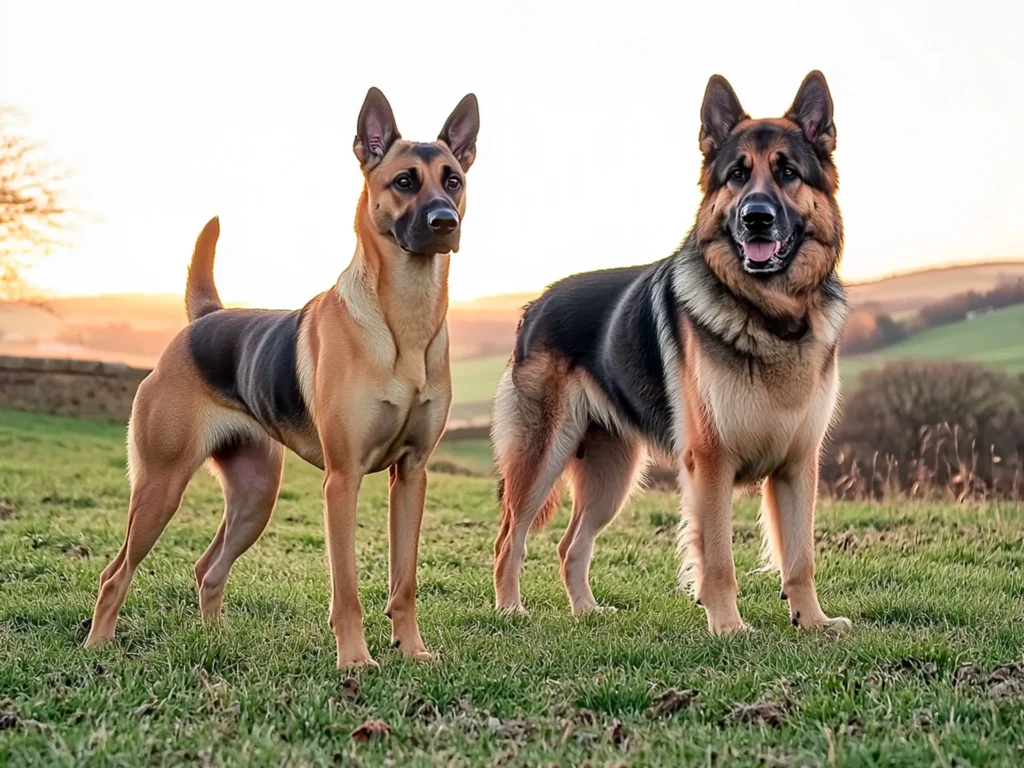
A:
[(201, 296)]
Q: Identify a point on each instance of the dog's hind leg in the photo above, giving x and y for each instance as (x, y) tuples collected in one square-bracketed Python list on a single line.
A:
[(602, 476), (536, 429), (163, 455), (250, 475), (787, 515)]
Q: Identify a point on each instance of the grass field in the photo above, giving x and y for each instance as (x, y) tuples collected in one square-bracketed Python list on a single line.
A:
[(924, 678)]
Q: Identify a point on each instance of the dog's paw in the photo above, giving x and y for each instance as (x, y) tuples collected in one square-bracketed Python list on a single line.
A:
[(97, 641), (357, 663), (822, 623), (515, 609), (727, 627), (422, 656), (416, 652), (593, 608), (726, 623)]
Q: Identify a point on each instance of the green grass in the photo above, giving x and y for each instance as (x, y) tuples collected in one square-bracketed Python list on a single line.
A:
[(475, 380), (928, 588), (995, 338)]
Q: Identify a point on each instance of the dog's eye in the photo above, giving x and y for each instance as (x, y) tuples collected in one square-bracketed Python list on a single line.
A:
[(789, 173), (454, 182), (738, 174), (403, 181)]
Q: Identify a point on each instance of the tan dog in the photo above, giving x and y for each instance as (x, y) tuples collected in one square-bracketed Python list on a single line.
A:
[(721, 359), (355, 382)]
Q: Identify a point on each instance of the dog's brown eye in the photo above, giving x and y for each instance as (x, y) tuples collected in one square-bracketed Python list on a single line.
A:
[(404, 181), (454, 182), (737, 174), (788, 173)]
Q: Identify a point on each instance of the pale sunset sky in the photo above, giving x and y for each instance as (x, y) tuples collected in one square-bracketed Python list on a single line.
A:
[(169, 113)]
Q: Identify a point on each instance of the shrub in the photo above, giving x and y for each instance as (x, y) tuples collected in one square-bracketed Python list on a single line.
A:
[(921, 427)]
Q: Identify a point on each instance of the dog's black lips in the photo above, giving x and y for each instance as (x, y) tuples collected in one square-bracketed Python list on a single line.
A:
[(391, 234)]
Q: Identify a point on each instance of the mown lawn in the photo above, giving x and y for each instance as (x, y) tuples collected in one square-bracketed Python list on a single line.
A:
[(926, 677)]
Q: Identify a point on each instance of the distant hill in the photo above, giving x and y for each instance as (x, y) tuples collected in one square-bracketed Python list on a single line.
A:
[(910, 291)]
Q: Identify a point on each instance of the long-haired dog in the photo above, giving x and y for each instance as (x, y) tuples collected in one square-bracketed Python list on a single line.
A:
[(355, 382), (720, 359)]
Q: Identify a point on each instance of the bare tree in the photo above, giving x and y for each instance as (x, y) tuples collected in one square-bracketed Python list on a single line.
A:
[(35, 216)]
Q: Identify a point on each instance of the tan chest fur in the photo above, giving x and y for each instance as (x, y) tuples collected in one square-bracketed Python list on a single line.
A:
[(768, 411), (386, 381), (403, 419)]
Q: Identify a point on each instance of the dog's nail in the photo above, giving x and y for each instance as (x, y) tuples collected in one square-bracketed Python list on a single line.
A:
[(699, 602), (395, 643), (796, 619), (783, 596), (388, 614)]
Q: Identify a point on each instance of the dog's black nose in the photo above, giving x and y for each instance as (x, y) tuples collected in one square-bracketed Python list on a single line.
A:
[(758, 215), (443, 221)]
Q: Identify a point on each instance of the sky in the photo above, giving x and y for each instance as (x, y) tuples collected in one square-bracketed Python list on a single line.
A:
[(169, 113)]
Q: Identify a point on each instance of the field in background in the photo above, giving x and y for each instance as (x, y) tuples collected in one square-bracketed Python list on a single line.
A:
[(995, 338), (926, 677)]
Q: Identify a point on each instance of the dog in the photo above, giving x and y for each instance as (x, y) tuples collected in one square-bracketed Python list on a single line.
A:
[(356, 382), (720, 359)]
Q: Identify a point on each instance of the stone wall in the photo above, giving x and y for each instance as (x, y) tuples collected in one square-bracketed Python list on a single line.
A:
[(69, 387)]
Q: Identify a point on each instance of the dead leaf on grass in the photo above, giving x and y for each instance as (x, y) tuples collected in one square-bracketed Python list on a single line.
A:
[(371, 729), (764, 711), (615, 732)]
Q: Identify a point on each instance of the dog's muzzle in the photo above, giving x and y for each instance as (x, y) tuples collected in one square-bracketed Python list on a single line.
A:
[(762, 237)]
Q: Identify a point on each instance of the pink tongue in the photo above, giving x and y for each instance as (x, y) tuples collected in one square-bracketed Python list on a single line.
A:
[(760, 251)]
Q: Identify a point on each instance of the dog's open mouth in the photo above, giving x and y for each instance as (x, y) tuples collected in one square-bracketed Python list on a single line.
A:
[(761, 255)]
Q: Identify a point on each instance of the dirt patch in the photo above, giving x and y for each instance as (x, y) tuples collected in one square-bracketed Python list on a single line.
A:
[(853, 541), (80, 551), (1007, 683), (967, 674), (449, 467), (765, 711), (670, 702), (774, 706)]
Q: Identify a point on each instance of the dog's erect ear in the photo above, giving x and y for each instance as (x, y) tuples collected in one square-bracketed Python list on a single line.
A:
[(376, 130), (460, 130), (719, 114), (812, 111)]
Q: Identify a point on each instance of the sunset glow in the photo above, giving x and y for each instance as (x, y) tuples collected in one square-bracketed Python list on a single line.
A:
[(587, 157)]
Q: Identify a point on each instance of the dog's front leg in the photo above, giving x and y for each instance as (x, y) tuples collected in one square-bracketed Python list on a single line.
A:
[(707, 539), (408, 488), (341, 491), (789, 497)]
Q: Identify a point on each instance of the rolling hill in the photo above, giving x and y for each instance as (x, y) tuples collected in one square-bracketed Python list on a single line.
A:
[(995, 338)]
